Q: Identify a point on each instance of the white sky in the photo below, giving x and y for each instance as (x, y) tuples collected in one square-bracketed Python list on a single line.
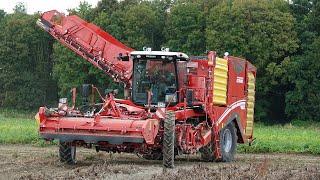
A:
[(43, 5)]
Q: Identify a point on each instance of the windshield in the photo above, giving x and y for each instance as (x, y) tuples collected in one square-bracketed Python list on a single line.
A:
[(156, 76)]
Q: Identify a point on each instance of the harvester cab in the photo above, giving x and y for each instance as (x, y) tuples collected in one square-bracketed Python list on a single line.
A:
[(155, 77)]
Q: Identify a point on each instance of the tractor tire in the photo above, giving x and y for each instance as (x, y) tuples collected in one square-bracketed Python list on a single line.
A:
[(207, 153), (67, 153), (228, 143), (156, 155), (168, 140)]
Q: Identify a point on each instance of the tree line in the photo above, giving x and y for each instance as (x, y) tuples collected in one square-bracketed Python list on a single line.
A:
[(281, 38)]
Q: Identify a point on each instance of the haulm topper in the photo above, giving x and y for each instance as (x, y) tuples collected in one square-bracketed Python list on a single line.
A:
[(174, 104)]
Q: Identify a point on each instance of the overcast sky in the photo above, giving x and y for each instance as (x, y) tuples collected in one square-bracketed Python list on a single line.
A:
[(43, 5)]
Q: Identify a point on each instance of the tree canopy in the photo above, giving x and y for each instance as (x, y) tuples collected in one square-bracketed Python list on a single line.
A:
[(262, 32), (25, 63)]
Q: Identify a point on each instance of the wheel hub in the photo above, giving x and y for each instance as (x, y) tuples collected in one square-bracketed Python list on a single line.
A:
[(227, 140)]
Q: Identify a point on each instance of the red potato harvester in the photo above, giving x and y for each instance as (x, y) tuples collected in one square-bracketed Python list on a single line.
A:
[(174, 104)]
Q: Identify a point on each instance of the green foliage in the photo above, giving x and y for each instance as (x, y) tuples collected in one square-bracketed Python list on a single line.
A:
[(72, 71), (303, 99), (302, 10), (313, 17), (185, 28), (25, 63), (107, 6), (20, 8), (260, 31), (140, 24), (18, 114), (2, 14), (135, 24), (84, 11), (301, 73)]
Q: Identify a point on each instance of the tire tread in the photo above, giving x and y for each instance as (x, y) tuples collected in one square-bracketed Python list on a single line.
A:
[(65, 153), (168, 140)]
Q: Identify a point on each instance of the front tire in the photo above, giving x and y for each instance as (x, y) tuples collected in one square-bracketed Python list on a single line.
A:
[(207, 153), (154, 155), (67, 153), (228, 143), (168, 140)]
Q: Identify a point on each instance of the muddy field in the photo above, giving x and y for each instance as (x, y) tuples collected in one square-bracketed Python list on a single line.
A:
[(28, 162)]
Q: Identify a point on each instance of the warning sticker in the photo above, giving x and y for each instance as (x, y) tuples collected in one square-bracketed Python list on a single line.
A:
[(240, 80)]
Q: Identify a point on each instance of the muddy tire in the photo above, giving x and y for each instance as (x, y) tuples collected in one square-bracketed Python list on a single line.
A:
[(228, 143), (207, 153), (168, 140), (67, 153), (156, 155)]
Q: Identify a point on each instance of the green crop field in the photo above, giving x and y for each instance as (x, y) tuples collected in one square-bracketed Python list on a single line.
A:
[(17, 128), (21, 128), (285, 139)]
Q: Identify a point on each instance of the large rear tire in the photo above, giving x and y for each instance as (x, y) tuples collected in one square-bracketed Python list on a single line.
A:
[(67, 153), (228, 143), (168, 140)]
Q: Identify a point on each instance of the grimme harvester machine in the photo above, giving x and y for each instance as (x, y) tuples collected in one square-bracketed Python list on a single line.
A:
[(174, 104)]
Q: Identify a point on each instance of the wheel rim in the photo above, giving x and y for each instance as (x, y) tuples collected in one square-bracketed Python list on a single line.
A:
[(227, 140)]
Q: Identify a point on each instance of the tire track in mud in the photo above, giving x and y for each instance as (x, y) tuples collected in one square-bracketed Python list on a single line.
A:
[(28, 162)]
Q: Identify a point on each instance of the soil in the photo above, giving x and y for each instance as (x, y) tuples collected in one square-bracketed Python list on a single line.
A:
[(29, 162)]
